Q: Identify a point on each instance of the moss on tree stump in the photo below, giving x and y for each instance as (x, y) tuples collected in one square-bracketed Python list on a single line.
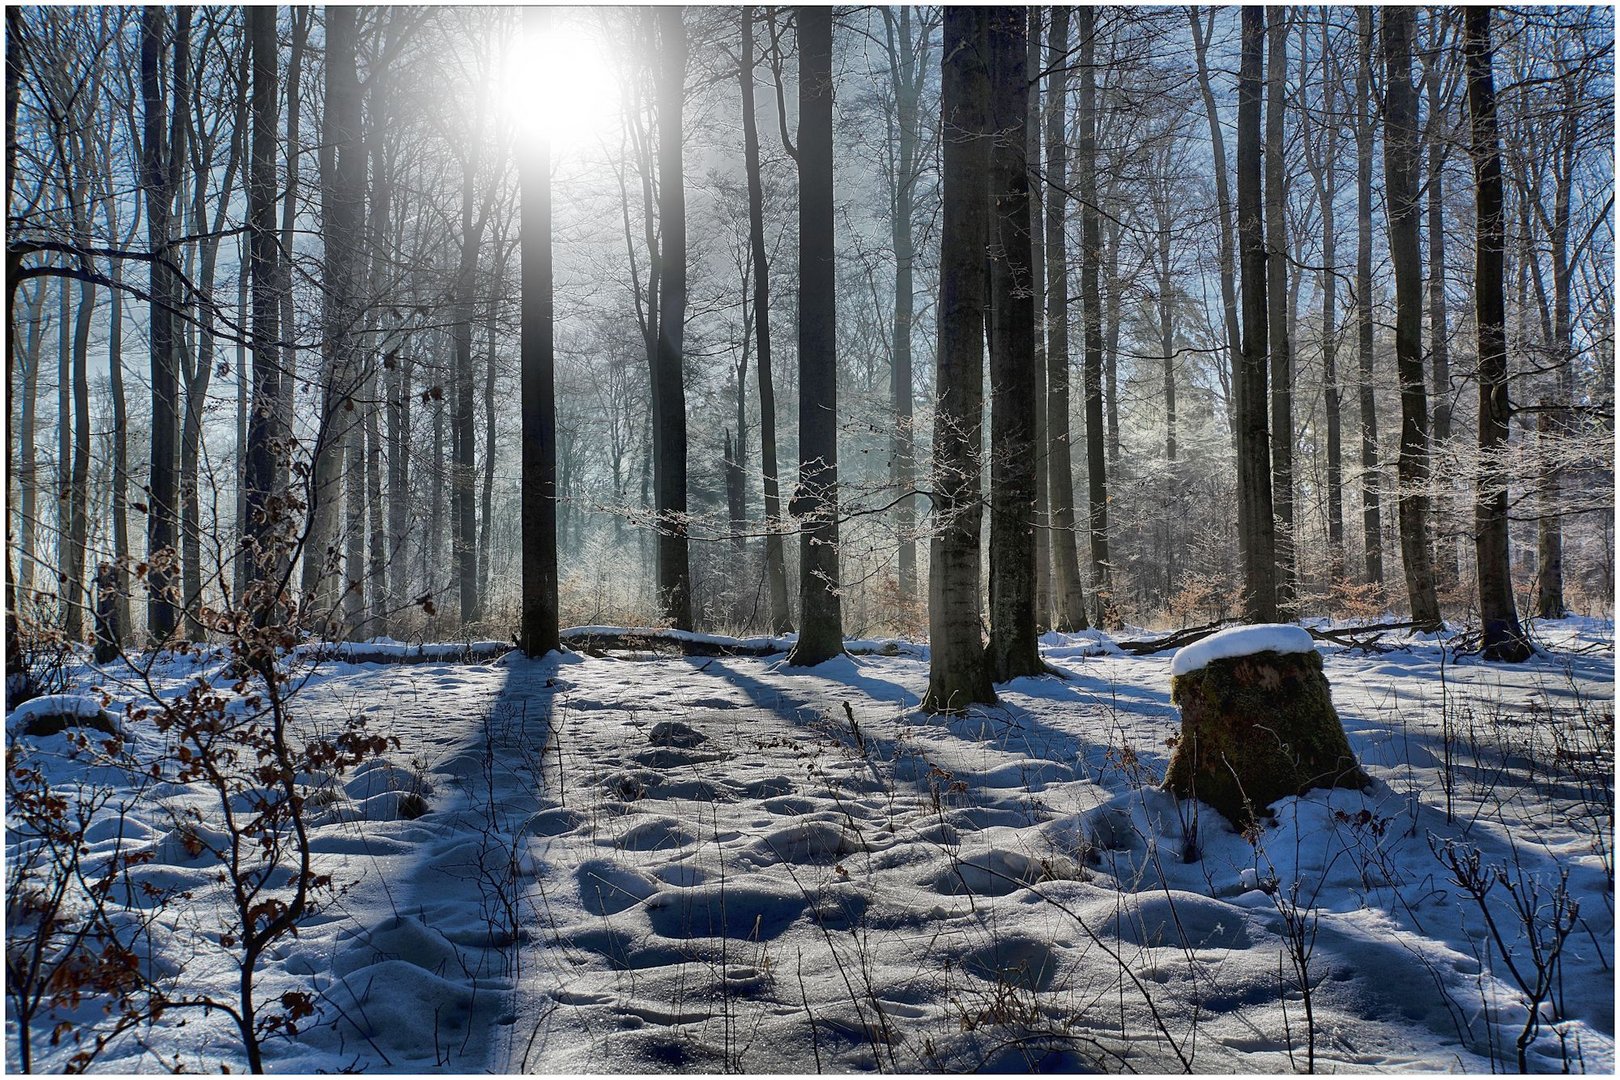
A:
[(1256, 726)]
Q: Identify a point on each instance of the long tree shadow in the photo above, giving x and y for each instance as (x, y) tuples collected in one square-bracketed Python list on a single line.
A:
[(441, 975), (819, 697)]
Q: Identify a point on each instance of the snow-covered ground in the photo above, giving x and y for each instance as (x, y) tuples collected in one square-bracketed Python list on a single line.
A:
[(645, 863)]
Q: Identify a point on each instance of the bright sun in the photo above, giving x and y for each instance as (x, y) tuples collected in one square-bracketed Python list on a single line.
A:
[(560, 85)]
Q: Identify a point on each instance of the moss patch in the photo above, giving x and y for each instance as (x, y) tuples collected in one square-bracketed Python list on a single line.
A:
[(1255, 729)]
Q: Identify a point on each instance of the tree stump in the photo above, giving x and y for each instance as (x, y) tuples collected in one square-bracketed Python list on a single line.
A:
[(1257, 722)]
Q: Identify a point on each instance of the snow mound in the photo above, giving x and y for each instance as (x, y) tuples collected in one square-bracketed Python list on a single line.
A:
[(51, 713), (1242, 641)]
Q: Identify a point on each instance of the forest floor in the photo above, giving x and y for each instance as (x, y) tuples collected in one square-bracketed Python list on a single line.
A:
[(648, 863)]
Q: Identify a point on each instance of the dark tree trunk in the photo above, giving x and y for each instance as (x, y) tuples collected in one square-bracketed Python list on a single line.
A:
[(342, 205), (1111, 324), (1256, 526), (1091, 308), (1438, 137), (1223, 198), (1503, 638), (1037, 236), (120, 450), (775, 557), (161, 152), (906, 72), (957, 674), (539, 632), (1069, 595), (821, 624), (1013, 649), (1323, 162), (1372, 535), (1557, 424), (669, 385), (1405, 219), (27, 471), (1280, 339), (282, 430), (76, 594)]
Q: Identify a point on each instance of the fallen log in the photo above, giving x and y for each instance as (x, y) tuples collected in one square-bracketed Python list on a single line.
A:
[(1148, 646)]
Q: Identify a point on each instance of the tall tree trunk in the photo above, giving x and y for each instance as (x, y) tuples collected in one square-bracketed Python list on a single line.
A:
[(1013, 649), (1323, 162), (1069, 598), (1091, 308), (64, 433), (399, 476), (1037, 236), (1372, 530), (75, 591), (821, 622), (27, 471), (539, 631), (775, 557), (1223, 198), (1279, 337), (1111, 323), (281, 431), (1558, 422), (486, 495), (433, 549), (669, 384), (342, 204), (120, 450), (161, 153), (957, 673), (382, 324), (14, 598), (463, 515), (1256, 526), (239, 563), (906, 77), (264, 515), (1405, 219), (1438, 137), (1502, 637)]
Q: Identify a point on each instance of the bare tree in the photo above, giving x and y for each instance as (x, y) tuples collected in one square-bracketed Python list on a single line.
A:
[(1013, 650), (775, 560), (957, 673), (1069, 596), (162, 149), (539, 632), (1091, 309), (1277, 306), (1405, 214), (669, 387), (1372, 534), (1503, 639), (1256, 526), (821, 627)]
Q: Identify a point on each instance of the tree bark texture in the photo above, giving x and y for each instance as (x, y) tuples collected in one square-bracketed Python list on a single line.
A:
[(1503, 638), (1405, 220), (669, 382), (1256, 526), (821, 626), (1068, 592), (957, 673), (1013, 649)]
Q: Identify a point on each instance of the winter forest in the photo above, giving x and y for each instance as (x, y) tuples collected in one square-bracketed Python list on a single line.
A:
[(644, 539)]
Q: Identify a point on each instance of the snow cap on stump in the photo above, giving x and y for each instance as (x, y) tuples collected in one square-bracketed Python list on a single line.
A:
[(1257, 722)]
